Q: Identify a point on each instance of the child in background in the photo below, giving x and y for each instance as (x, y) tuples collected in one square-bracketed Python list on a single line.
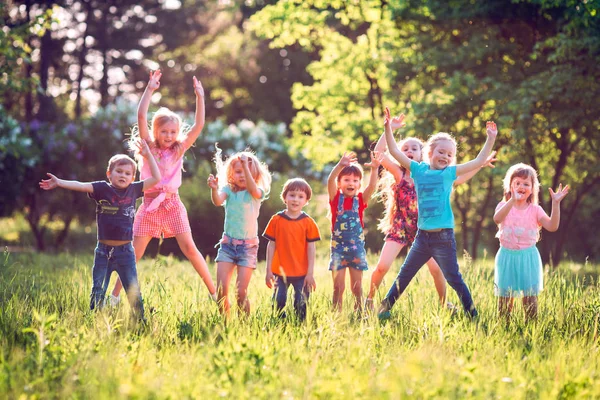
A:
[(115, 209), (245, 184), (347, 205), (433, 181), (292, 235), (162, 214), (399, 222), (518, 269)]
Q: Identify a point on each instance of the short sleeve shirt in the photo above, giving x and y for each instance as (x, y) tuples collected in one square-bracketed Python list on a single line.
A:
[(291, 237), (521, 228), (333, 205), (241, 214), (434, 188), (115, 209)]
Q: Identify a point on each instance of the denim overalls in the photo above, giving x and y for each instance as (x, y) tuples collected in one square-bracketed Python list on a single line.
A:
[(348, 239)]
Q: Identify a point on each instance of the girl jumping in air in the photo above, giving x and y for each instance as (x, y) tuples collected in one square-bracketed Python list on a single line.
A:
[(399, 222), (518, 270), (245, 183), (162, 214), (347, 205), (433, 182)]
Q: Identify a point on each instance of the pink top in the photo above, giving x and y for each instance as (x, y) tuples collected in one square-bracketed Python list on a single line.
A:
[(521, 228), (170, 164)]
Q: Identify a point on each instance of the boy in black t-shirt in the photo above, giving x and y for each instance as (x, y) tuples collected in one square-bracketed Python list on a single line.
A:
[(115, 209)]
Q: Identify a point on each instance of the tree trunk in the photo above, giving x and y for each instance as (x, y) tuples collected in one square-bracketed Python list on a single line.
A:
[(479, 224), (103, 46), (82, 61), (33, 219), (46, 106)]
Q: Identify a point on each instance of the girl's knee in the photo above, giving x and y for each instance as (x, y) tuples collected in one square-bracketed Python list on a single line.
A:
[(382, 268)]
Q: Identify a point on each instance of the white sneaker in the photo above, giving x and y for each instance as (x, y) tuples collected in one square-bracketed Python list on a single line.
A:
[(113, 301)]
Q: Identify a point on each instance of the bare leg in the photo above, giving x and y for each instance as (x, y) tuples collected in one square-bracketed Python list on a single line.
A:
[(339, 284), (140, 243), (389, 252), (505, 305), (530, 306), (243, 280), (189, 249), (438, 280), (224, 274), (356, 287)]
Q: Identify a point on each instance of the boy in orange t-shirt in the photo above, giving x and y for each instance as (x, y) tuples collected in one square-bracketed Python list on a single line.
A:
[(291, 250)]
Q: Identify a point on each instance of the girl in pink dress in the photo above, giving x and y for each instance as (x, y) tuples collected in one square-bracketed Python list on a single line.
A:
[(162, 214), (518, 269)]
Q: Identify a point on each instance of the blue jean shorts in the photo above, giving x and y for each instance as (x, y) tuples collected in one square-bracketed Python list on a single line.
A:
[(242, 253)]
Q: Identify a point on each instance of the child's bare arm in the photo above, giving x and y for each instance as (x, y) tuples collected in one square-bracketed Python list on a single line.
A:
[(251, 185), (376, 159), (551, 223), (387, 161), (309, 281), (465, 177), (199, 119), (147, 154), (391, 142), (478, 162), (217, 197), (346, 160), (503, 211), (142, 113), (54, 182), (269, 273)]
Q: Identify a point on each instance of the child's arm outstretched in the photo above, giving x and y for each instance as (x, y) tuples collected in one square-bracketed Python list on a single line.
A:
[(309, 280), (269, 273), (391, 142), (478, 162), (376, 159), (142, 112), (199, 117), (488, 163), (381, 146), (147, 154), (251, 185), (551, 223), (346, 160), (217, 197), (54, 182)]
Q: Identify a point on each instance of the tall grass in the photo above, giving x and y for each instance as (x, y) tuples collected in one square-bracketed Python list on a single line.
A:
[(54, 347)]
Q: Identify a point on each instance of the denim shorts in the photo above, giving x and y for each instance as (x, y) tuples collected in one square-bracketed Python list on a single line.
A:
[(242, 253)]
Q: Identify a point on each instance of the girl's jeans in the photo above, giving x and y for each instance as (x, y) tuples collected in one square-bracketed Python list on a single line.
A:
[(300, 294), (121, 259), (442, 247)]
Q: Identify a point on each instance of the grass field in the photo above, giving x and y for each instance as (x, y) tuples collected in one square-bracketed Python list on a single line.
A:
[(54, 347)]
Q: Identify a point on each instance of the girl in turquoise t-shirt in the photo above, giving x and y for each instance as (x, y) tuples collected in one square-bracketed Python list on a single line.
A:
[(246, 183)]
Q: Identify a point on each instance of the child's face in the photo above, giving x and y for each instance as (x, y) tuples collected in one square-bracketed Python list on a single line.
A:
[(349, 185), (412, 150), (239, 177), (521, 188), (442, 154), (121, 176), (166, 134), (295, 200)]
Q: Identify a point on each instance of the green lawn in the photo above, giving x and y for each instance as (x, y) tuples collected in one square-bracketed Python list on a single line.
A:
[(54, 347)]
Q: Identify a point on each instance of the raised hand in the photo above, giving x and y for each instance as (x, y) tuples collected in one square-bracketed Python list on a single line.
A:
[(49, 184), (143, 147), (559, 194), (398, 122), (198, 89), (516, 195), (154, 81), (491, 129), (490, 160), (213, 182), (387, 119), (347, 159), (376, 159), (244, 159)]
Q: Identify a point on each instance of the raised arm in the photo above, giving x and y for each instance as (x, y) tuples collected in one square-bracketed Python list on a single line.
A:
[(269, 272), (391, 142), (251, 185), (465, 177), (381, 146), (376, 159), (551, 223), (217, 197), (142, 113), (147, 154), (54, 182), (346, 160), (199, 117), (478, 162)]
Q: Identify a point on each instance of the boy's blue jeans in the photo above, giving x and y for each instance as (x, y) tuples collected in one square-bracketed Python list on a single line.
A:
[(442, 247), (121, 259), (301, 294)]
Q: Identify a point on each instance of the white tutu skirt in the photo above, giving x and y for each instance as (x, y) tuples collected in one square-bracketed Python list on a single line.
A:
[(518, 272)]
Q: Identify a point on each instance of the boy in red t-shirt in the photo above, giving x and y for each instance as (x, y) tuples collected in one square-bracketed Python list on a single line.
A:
[(291, 250)]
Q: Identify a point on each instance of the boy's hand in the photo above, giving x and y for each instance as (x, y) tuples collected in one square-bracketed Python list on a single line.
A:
[(376, 159), (213, 182), (198, 89), (269, 279), (154, 81), (309, 283), (556, 197), (491, 129), (347, 159), (49, 184)]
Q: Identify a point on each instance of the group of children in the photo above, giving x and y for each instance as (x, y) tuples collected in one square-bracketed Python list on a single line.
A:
[(416, 189)]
